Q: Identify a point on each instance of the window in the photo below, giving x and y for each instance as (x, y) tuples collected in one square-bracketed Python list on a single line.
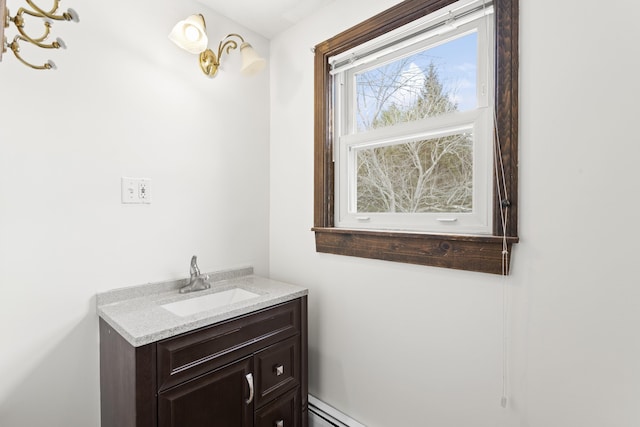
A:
[(413, 129), (410, 114)]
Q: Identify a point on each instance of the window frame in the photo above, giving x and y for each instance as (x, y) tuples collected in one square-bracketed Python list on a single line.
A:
[(481, 253)]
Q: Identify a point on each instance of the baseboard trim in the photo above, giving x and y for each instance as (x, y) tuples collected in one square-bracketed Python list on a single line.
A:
[(330, 415)]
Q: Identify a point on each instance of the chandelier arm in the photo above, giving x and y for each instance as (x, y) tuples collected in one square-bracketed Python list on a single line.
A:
[(227, 44), (56, 5), (37, 11), (18, 20), (235, 35), (15, 48)]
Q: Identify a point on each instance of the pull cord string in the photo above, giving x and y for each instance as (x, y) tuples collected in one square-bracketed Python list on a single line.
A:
[(501, 187), (504, 214), (504, 211)]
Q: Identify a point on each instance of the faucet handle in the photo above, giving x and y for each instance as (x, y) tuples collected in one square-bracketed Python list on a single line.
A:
[(194, 270)]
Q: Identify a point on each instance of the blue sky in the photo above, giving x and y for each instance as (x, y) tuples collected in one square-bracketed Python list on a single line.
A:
[(456, 63)]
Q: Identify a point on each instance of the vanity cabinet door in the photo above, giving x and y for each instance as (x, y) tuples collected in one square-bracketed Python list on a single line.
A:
[(216, 399)]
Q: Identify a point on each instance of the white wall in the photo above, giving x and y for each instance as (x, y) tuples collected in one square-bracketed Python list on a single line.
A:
[(124, 101), (400, 345)]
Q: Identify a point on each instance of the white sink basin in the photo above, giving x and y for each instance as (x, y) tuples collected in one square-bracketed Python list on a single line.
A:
[(208, 302)]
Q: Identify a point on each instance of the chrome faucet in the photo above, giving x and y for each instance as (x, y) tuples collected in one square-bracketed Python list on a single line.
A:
[(196, 282)]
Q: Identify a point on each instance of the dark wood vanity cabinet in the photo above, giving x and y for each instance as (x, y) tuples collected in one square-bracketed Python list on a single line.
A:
[(249, 371)]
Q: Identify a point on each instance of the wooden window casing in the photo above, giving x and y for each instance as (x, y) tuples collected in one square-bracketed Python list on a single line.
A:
[(482, 253)]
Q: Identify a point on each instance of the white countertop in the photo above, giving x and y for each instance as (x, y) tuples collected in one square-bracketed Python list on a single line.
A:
[(136, 312)]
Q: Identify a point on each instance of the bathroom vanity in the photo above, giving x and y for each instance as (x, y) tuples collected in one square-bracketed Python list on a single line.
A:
[(232, 364)]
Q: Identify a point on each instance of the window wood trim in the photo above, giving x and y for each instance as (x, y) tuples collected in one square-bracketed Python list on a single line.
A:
[(473, 253)]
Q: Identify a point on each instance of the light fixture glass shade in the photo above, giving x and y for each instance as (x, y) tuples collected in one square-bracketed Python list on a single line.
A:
[(252, 63), (190, 34)]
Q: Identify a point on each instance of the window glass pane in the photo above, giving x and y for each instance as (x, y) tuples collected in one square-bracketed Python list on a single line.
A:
[(425, 176), (434, 81)]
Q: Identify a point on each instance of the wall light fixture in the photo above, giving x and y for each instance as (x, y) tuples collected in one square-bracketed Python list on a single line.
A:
[(45, 17), (191, 35)]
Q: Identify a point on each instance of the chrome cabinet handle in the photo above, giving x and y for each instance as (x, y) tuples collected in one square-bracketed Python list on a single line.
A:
[(280, 423), (249, 378), (279, 371)]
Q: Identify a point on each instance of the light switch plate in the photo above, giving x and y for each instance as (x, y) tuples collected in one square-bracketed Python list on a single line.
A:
[(135, 190)]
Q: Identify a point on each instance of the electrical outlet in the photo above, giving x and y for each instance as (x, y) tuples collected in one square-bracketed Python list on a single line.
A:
[(135, 190), (144, 191)]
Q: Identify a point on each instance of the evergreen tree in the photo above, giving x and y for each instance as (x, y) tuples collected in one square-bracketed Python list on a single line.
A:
[(433, 99)]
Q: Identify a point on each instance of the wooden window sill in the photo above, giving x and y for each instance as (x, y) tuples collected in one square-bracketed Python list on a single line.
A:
[(462, 252)]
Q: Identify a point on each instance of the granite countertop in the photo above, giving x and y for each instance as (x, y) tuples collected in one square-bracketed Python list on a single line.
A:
[(136, 312)]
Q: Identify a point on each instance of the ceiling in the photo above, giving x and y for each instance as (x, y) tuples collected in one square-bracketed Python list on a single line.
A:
[(266, 17)]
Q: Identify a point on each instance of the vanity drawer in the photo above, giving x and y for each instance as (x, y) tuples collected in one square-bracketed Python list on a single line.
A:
[(277, 369), (194, 353), (283, 412)]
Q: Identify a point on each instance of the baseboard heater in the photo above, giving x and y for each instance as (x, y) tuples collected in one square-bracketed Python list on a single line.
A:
[(323, 415)]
